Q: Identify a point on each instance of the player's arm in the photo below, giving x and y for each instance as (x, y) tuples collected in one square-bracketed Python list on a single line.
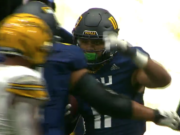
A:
[(104, 102), (29, 94), (112, 104), (151, 74)]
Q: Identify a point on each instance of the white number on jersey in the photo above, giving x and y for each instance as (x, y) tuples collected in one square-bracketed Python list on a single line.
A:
[(97, 120), (97, 116), (102, 80)]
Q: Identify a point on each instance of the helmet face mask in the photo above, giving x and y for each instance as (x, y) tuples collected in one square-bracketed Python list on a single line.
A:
[(90, 27), (93, 49)]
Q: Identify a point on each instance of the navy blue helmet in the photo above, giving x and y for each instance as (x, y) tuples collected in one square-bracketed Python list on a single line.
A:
[(91, 25)]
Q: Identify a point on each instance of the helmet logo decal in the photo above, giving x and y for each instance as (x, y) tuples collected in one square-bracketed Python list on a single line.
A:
[(113, 21), (48, 10), (78, 21), (92, 33)]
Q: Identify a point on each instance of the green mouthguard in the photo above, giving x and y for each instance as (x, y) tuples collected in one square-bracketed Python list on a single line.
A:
[(90, 56)]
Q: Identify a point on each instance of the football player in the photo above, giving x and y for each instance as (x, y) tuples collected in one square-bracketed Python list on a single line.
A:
[(24, 41), (62, 35), (117, 64), (65, 69)]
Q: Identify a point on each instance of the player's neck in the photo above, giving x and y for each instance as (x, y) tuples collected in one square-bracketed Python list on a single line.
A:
[(17, 61)]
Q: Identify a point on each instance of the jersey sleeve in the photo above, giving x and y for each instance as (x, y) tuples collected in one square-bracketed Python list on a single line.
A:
[(131, 64), (141, 49), (28, 86), (125, 61)]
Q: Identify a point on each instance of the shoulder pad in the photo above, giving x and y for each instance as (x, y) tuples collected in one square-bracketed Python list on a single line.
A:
[(68, 54), (28, 86)]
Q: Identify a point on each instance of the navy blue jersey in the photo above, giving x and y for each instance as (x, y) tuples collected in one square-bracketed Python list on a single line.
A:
[(117, 75), (63, 60)]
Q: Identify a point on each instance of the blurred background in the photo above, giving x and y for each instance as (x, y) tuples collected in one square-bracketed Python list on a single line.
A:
[(152, 24)]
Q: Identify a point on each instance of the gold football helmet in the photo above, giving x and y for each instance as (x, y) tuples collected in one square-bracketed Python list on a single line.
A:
[(25, 35)]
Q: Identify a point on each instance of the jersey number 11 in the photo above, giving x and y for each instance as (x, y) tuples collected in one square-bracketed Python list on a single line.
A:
[(99, 121)]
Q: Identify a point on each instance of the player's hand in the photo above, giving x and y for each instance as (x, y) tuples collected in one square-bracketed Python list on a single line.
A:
[(68, 109), (112, 43), (167, 118)]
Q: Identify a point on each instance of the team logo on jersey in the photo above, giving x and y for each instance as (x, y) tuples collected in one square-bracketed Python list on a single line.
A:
[(91, 33), (105, 80), (114, 67)]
